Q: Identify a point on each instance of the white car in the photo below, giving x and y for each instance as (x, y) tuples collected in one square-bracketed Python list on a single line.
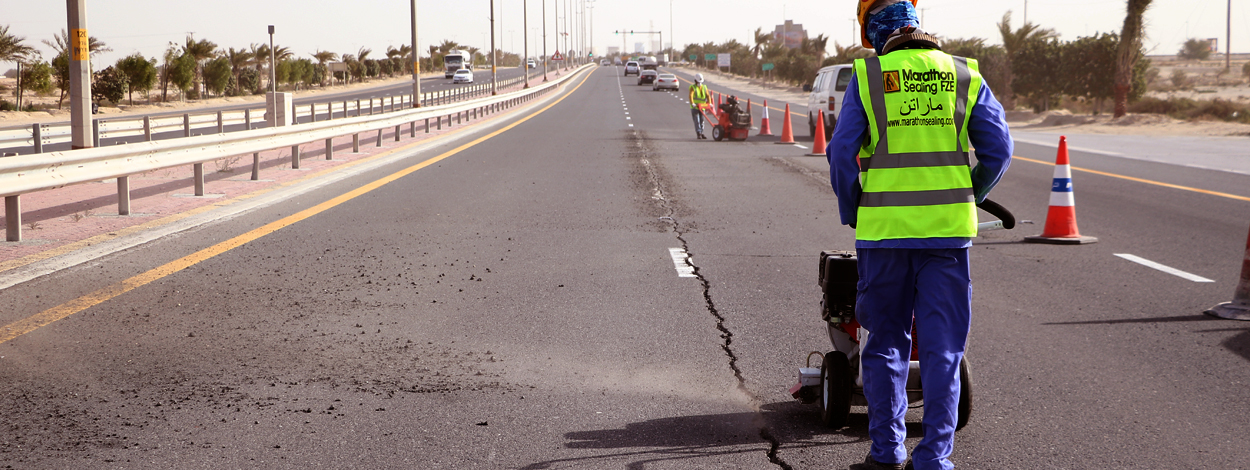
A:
[(631, 67), (826, 92), (529, 64), (462, 76), (665, 81)]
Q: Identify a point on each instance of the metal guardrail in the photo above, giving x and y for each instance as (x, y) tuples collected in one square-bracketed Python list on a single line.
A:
[(37, 136), (29, 173)]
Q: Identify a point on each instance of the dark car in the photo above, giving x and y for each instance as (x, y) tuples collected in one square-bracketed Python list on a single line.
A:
[(647, 77)]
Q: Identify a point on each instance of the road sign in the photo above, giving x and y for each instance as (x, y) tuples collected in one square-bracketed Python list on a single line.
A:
[(722, 60), (694, 57), (709, 56), (557, 56), (768, 66)]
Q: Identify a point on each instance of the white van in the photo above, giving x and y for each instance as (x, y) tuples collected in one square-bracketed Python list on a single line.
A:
[(826, 95)]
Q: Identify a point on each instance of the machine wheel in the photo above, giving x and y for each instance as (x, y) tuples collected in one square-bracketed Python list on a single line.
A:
[(829, 125), (835, 389), (965, 395), (718, 133)]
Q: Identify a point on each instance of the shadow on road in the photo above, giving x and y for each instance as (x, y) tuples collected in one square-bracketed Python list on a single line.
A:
[(792, 424), (1239, 344)]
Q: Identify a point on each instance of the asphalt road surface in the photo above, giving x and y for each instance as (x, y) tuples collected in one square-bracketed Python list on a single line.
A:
[(516, 304)]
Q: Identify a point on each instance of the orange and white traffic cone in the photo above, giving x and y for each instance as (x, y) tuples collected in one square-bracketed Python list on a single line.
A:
[(1061, 219), (1239, 308), (818, 140), (764, 128), (787, 132)]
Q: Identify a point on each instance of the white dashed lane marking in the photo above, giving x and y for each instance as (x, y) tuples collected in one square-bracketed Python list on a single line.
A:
[(1164, 268), (681, 261)]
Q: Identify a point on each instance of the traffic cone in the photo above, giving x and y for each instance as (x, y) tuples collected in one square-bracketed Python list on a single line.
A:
[(1061, 219), (1239, 308), (818, 140), (787, 133), (764, 128)]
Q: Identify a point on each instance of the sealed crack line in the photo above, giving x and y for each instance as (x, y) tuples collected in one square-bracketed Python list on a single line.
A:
[(662, 200)]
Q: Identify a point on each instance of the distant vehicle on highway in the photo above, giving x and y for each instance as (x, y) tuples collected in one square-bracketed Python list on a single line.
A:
[(456, 60), (616, 61), (603, 62), (631, 67), (462, 76), (649, 63), (647, 77), (829, 85), (665, 81), (529, 64)]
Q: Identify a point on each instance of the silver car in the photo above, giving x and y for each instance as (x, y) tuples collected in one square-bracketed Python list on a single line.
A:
[(666, 81), (462, 76)]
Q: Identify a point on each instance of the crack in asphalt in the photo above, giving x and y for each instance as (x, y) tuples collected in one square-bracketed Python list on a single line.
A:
[(662, 201)]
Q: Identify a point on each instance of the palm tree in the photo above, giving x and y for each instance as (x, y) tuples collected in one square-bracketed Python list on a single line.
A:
[(239, 59), (1028, 32), (11, 47), (1129, 50), (322, 57), (201, 51), (761, 39)]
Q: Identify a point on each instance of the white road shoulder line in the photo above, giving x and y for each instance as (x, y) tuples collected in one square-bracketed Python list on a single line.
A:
[(1166, 269), (681, 262)]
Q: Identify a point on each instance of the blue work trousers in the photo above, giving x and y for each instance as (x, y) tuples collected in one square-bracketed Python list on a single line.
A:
[(934, 287), (698, 120)]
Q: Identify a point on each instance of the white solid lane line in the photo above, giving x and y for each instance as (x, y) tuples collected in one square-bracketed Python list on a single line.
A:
[(1166, 269), (681, 261)]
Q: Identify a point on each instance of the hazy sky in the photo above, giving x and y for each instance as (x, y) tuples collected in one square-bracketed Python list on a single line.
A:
[(148, 26)]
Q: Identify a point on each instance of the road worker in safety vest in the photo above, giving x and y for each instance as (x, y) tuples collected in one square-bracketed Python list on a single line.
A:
[(899, 165), (700, 97)]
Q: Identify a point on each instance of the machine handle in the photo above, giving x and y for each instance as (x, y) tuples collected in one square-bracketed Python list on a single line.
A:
[(997, 210)]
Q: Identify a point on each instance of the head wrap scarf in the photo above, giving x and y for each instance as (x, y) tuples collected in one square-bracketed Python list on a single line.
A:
[(888, 20)]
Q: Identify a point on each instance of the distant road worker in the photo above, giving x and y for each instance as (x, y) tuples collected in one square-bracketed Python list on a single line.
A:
[(699, 98)]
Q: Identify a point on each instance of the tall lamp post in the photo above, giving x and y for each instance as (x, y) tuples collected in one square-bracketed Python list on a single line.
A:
[(416, 61), (525, 40), (273, 73), (544, 40), (493, 54), (79, 75)]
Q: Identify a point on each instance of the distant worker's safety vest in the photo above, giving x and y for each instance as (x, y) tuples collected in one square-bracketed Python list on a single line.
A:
[(698, 95), (914, 167)]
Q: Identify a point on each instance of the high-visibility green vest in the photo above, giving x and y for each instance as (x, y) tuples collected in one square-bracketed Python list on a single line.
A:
[(914, 167), (699, 94)]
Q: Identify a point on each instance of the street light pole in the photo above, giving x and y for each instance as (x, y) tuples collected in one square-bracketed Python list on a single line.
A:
[(544, 40), (525, 40), (416, 61), (493, 54), (273, 72), (79, 75)]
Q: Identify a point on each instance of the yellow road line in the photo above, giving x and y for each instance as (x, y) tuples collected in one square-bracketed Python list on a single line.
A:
[(66, 309), (1141, 180), (95, 240)]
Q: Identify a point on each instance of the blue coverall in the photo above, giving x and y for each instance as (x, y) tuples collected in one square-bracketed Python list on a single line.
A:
[(925, 277)]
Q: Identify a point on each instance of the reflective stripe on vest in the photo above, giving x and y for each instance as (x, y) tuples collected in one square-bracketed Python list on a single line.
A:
[(699, 93), (915, 167)]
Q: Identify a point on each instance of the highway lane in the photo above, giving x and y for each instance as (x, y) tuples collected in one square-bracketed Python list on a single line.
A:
[(383, 93), (542, 259)]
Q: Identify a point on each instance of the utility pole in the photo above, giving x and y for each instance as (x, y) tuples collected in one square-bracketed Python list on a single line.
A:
[(416, 61), (544, 40), (493, 54), (1228, 39), (79, 75), (273, 73), (525, 40)]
